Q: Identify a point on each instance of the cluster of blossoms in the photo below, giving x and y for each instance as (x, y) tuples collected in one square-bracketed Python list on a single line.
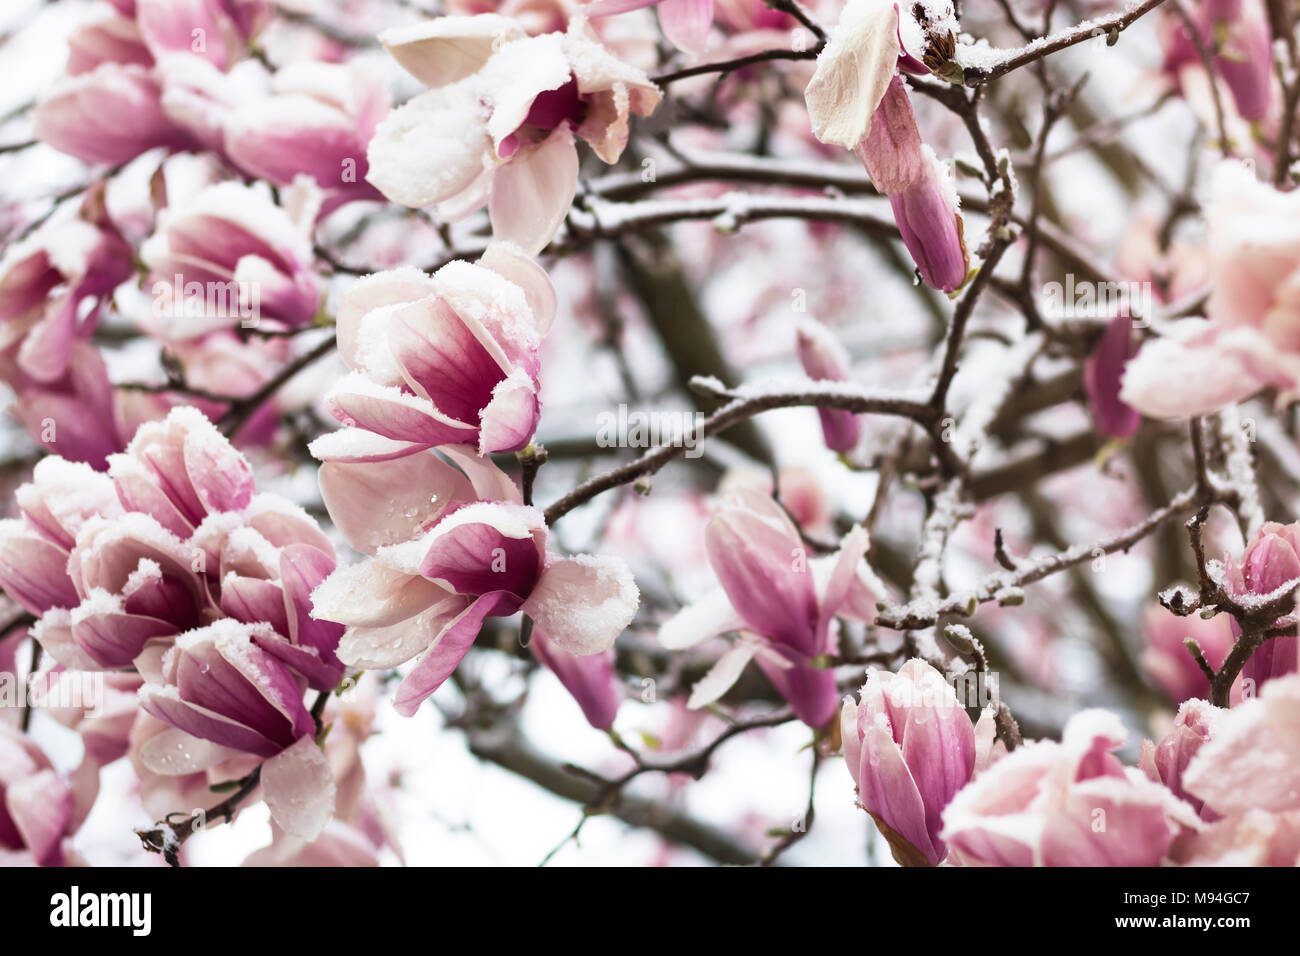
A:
[(1217, 790), (171, 564)]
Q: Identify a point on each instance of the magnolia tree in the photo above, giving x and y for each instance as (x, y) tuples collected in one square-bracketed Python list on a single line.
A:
[(543, 431)]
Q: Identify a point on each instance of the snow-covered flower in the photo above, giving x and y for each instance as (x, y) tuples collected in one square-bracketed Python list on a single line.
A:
[(1166, 762), (782, 603), (228, 256), (1245, 772), (1271, 560), (499, 123), (171, 539), (117, 100), (1251, 340), (856, 100), (449, 546), (1066, 804), (445, 359)]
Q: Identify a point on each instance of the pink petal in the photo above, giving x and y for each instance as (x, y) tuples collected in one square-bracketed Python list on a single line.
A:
[(686, 23), (299, 788), (380, 503), (532, 193), (447, 650)]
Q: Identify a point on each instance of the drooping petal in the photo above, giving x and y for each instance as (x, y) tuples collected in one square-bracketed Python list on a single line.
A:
[(299, 789), (532, 193)]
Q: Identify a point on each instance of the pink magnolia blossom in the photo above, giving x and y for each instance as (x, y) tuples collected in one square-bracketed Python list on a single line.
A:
[(134, 78), (1251, 340), (1246, 773), (172, 538), (216, 30), (1237, 33), (782, 603), (75, 415), (499, 123), (450, 358), (222, 692), (1271, 561), (230, 256), (55, 284), (1066, 804), (1196, 724), (110, 114), (824, 359), (1169, 663), (857, 101), (449, 546), (318, 121), (910, 747), (36, 805)]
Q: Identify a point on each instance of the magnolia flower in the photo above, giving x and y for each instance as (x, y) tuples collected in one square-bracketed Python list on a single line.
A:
[(447, 548), (1102, 374), (1271, 561), (1196, 724), (856, 101), (1246, 773), (230, 256), (223, 691), (499, 123), (1169, 663), (1065, 804), (74, 415), (1251, 340), (54, 284), (450, 358), (910, 747), (1238, 35), (37, 807), (824, 359), (61, 497), (782, 604), (110, 114), (318, 121)]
